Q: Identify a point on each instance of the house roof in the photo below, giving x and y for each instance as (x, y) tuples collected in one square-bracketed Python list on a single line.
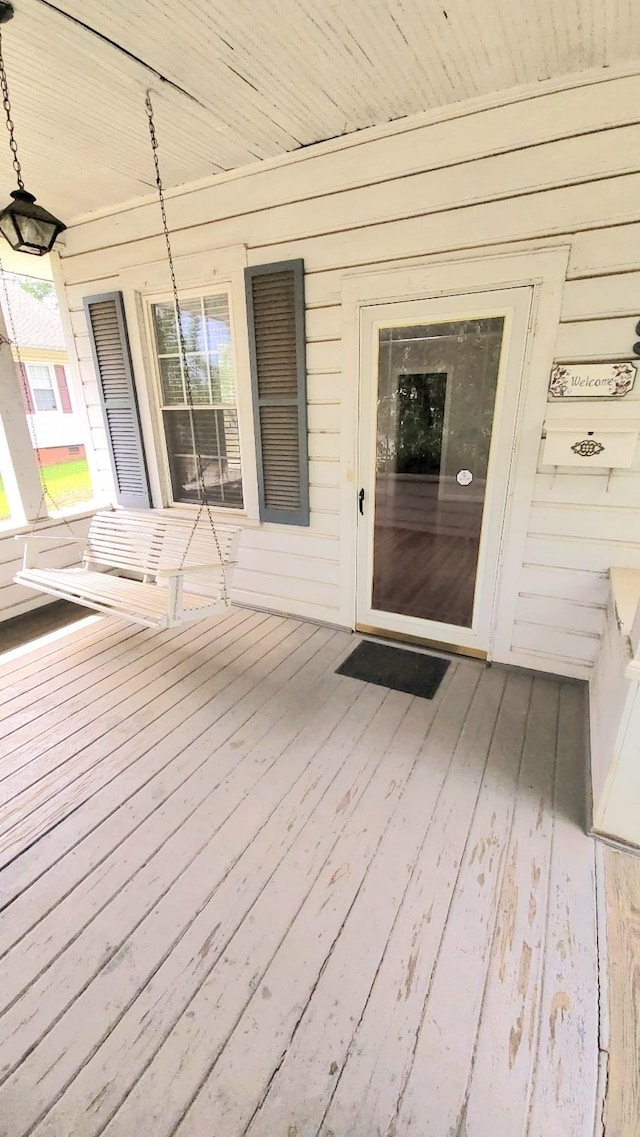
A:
[(239, 83), (36, 324)]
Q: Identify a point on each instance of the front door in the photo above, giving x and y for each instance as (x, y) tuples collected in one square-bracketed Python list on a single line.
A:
[(439, 389)]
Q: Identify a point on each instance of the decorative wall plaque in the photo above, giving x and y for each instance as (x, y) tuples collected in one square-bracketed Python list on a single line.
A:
[(592, 380), (587, 448)]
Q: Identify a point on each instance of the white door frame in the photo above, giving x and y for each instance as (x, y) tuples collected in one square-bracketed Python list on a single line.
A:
[(544, 271), (514, 305)]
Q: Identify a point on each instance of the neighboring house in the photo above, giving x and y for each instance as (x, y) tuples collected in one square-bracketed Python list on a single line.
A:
[(55, 427)]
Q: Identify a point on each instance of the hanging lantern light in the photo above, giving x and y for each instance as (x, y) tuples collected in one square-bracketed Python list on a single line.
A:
[(28, 227)]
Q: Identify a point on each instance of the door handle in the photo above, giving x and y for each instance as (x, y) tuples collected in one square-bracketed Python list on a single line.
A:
[(361, 502)]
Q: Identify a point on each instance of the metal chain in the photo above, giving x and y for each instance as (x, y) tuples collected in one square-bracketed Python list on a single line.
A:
[(13, 342), (204, 503), (6, 102)]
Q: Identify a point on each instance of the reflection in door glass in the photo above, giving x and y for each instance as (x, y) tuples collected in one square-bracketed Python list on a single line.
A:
[(436, 396)]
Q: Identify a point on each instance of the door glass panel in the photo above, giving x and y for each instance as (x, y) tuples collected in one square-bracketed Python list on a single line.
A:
[(436, 396)]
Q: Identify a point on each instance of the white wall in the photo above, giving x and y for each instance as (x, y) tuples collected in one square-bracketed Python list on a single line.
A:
[(564, 165), (16, 600), (53, 428)]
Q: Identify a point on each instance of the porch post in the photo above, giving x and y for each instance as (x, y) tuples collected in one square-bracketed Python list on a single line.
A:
[(18, 461)]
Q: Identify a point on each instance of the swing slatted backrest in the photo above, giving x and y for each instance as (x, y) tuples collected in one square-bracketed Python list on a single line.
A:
[(124, 538), (150, 541)]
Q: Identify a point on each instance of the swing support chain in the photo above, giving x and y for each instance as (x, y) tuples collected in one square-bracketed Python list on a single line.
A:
[(204, 503)]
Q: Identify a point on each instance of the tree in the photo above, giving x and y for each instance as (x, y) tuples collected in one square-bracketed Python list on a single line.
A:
[(43, 290)]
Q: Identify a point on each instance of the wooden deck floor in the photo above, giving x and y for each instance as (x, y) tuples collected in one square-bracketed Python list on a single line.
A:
[(243, 895)]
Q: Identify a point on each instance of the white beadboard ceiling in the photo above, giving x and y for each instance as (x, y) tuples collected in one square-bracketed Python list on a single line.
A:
[(235, 83)]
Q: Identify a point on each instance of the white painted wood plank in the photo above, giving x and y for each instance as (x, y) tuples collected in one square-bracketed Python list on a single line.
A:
[(605, 523), (583, 488), (566, 1064), (58, 679), (582, 553), (305, 610), (623, 948), (290, 542), (260, 871), (437, 145), (187, 884), (63, 791), (437, 1081), (58, 688), (505, 1051), (605, 251), (142, 671), (589, 339), (567, 584), (555, 643), (602, 296), (302, 1090), (509, 185), (31, 882), (564, 614), (83, 885), (324, 387), (301, 568), (293, 969), (554, 212), (322, 593), (222, 780), (53, 651)]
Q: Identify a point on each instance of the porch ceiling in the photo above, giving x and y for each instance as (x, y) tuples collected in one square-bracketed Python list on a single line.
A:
[(243, 82)]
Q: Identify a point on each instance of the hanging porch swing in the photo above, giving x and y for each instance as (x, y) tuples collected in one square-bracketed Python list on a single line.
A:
[(152, 567)]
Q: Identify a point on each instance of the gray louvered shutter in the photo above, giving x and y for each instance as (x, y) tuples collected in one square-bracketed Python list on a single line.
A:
[(112, 360), (275, 309)]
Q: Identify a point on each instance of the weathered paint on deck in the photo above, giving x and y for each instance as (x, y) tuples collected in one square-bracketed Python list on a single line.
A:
[(245, 895)]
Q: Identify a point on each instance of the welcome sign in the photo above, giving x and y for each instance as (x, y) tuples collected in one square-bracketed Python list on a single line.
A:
[(592, 380)]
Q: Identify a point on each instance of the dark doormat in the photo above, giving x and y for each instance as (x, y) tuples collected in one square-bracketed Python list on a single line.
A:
[(395, 667)]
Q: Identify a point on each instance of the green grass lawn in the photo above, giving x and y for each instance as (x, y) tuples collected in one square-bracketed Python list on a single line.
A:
[(68, 482)]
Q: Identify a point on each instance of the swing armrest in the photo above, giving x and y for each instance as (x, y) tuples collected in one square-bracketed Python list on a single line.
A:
[(186, 569), (31, 552)]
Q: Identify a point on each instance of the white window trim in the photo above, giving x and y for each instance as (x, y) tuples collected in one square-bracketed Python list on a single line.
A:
[(198, 275), (150, 300)]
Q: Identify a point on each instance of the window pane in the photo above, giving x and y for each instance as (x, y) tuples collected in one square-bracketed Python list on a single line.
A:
[(164, 319), (215, 435), (171, 379), (193, 325), (40, 376), (44, 400), (198, 378), (209, 362)]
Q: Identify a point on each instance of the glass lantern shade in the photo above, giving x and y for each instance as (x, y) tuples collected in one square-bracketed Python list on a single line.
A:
[(28, 227)]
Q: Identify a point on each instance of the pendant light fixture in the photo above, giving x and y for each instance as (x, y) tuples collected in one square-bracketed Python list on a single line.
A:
[(27, 226)]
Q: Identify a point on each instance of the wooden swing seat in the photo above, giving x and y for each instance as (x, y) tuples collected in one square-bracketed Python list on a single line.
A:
[(132, 569)]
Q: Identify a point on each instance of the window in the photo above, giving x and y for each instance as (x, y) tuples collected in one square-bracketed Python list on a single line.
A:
[(214, 430), (43, 391)]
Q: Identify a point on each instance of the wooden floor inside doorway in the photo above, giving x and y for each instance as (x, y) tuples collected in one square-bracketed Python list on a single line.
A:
[(243, 895)]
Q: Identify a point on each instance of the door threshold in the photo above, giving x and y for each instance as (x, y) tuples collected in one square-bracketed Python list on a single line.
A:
[(420, 641)]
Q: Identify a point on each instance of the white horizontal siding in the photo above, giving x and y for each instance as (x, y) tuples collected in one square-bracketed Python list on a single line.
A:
[(15, 600), (565, 165), (54, 428)]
